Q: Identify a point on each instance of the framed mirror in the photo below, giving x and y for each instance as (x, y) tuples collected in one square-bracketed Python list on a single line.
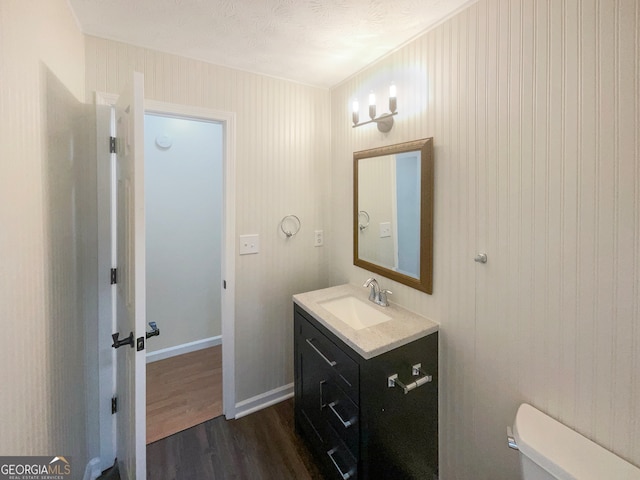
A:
[(393, 212)]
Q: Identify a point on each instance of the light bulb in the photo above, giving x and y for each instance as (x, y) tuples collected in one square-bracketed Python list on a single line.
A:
[(393, 104), (372, 105)]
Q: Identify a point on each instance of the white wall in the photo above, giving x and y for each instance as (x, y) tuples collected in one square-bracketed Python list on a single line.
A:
[(183, 206), (282, 156), (47, 284), (534, 109)]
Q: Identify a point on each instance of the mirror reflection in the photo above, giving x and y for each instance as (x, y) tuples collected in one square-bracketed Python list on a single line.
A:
[(389, 215), (393, 212)]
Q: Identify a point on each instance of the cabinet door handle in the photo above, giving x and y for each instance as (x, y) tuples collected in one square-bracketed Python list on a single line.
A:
[(344, 476), (330, 362), (347, 423)]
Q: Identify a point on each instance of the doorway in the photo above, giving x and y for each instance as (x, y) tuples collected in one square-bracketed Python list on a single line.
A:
[(106, 259), (183, 219)]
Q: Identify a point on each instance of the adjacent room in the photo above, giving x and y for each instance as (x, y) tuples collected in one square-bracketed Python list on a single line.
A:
[(183, 209)]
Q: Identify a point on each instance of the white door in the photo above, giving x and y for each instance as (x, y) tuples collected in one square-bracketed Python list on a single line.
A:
[(130, 291)]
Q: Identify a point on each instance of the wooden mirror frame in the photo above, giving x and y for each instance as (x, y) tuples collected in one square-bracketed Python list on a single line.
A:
[(425, 281)]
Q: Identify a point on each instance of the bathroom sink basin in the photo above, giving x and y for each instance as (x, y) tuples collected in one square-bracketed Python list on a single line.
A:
[(354, 312)]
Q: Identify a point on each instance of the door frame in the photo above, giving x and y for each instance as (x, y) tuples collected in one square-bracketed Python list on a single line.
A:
[(106, 316)]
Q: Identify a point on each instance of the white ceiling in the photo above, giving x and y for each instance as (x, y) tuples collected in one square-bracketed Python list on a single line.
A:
[(316, 42)]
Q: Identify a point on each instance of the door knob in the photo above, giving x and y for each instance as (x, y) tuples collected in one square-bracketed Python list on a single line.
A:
[(481, 258)]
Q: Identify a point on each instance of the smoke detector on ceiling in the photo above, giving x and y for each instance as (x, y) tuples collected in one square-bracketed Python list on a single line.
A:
[(164, 141)]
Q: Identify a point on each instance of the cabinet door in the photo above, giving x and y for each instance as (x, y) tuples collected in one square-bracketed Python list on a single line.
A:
[(311, 380), (401, 430)]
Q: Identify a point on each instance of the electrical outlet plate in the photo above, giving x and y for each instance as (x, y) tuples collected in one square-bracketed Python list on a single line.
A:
[(318, 238), (249, 244)]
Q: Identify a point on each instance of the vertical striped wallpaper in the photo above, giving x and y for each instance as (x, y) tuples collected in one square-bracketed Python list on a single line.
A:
[(534, 107), (281, 156), (43, 173)]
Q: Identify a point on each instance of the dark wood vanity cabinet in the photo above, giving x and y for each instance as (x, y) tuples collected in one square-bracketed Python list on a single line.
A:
[(355, 424)]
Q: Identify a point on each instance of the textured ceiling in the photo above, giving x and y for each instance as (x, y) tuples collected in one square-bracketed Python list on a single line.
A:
[(317, 42)]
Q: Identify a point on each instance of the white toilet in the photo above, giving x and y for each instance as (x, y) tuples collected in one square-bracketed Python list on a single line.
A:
[(550, 450)]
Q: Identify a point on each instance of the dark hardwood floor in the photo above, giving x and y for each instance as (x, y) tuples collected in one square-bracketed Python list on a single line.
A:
[(262, 445)]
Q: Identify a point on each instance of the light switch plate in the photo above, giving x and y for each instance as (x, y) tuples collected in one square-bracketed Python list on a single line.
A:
[(249, 244), (385, 229)]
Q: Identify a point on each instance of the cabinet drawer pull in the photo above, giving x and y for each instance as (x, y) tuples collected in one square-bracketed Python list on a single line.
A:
[(346, 424), (344, 476), (322, 405), (331, 363), (416, 370)]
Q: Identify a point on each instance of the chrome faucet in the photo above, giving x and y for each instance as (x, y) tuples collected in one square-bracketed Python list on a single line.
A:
[(377, 295)]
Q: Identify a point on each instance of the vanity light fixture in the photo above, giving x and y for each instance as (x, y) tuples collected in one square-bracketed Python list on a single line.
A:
[(384, 121)]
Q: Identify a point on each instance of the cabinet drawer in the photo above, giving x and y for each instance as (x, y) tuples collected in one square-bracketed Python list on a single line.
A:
[(343, 415), (344, 369), (341, 463)]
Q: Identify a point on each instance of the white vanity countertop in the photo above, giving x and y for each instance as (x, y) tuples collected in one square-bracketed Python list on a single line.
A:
[(404, 326)]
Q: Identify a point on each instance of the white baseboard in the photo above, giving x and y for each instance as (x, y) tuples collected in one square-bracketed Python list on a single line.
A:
[(263, 400), (184, 348)]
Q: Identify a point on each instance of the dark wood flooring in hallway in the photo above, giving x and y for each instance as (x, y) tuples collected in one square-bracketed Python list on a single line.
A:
[(260, 446)]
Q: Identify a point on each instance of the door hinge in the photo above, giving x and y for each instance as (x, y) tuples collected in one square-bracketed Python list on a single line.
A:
[(114, 405), (224, 284), (112, 144), (114, 276)]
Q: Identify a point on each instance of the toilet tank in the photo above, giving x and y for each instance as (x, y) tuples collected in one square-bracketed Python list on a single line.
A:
[(550, 450)]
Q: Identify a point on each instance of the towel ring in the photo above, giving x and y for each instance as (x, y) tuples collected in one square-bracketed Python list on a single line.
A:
[(362, 226), (294, 219)]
